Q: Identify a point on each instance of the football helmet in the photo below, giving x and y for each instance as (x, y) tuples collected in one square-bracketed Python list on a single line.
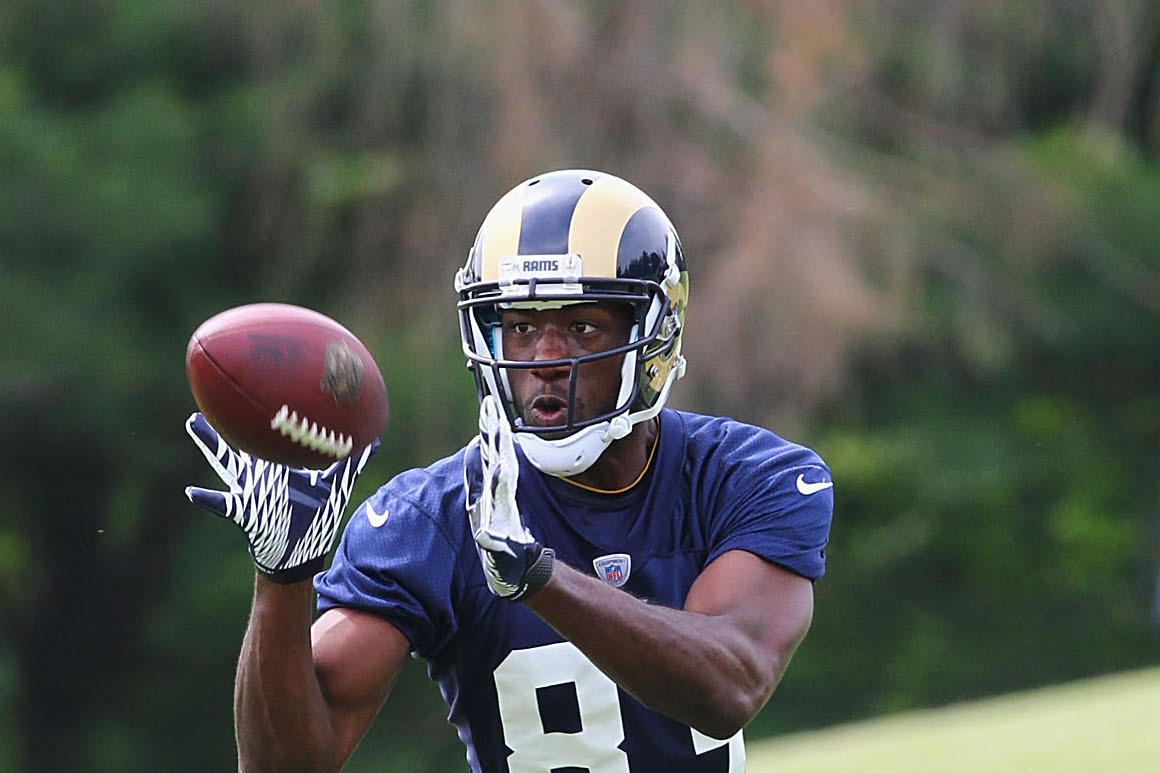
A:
[(577, 236)]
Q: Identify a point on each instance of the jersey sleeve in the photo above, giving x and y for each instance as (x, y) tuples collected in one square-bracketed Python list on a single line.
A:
[(396, 559), (777, 503)]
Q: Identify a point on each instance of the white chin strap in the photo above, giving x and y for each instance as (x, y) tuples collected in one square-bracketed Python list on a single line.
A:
[(574, 454)]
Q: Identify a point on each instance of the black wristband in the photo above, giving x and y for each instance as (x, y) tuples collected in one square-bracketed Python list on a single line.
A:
[(294, 573), (537, 575)]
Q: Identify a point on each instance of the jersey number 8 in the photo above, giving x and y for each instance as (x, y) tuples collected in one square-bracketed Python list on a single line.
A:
[(596, 746)]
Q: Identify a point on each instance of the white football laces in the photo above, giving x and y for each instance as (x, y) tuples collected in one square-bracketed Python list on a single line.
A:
[(308, 434)]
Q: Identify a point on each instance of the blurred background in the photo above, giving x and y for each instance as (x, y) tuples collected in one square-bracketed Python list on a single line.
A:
[(922, 239)]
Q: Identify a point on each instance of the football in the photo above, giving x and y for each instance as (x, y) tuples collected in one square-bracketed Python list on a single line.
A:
[(286, 384)]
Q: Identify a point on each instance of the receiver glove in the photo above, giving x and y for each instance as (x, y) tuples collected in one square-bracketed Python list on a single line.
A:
[(514, 563), (290, 515)]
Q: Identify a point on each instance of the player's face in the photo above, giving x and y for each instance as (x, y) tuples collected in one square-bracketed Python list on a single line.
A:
[(541, 394)]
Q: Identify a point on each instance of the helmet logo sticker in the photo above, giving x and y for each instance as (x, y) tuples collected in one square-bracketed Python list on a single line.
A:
[(613, 568), (561, 271)]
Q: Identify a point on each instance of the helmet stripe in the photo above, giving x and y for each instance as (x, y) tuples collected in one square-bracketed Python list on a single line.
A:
[(599, 221), (502, 229), (548, 205), (644, 244)]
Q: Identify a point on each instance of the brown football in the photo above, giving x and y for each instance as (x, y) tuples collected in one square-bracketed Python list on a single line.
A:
[(287, 384)]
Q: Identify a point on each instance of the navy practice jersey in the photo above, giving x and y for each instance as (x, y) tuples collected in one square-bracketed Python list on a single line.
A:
[(522, 699)]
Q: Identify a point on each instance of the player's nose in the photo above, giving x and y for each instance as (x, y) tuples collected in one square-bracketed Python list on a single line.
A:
[(550, 344)]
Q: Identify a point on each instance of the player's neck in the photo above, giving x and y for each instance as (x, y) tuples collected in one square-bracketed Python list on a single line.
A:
[(623, 464)]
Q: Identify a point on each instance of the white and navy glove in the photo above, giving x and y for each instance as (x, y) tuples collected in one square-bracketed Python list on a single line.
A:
[(514, 563), (290, 515)]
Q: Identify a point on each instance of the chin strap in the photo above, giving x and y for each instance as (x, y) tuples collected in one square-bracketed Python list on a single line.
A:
[(574, 454), (567, 456)]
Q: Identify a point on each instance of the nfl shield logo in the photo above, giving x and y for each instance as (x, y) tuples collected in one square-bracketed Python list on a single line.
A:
[(613, 568)]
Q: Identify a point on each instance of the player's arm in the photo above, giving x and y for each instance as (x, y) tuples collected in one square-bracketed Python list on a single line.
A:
[(305, 696), (299, 705), (712, 664), (357, 657)]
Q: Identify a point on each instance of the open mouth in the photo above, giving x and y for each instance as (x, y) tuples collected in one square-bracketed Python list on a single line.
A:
[(548, 411)]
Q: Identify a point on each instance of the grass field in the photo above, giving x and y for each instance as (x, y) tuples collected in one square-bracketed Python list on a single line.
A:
[(1106, 725)]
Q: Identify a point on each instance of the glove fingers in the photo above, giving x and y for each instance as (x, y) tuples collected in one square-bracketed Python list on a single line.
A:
[(498, 440), (473, 482), (488, 461), (490, 422), (507, 448), (216, 451), (498, 510), (216, 502), (199, 428), (507, 476), (366, 455), (489, 414), (359, 461)]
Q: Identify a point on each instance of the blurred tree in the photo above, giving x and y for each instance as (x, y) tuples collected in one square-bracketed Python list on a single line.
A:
[(159, 163)]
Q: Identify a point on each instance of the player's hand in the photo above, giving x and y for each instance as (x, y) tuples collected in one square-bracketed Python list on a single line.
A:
[(289, 515), (514, 563)]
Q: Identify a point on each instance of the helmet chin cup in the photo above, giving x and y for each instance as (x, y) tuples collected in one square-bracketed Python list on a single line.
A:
[(567, 456), (619, 427), (572, 455)]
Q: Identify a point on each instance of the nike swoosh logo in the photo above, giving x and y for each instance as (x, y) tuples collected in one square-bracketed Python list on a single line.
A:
[(811, 488), (377, 519)]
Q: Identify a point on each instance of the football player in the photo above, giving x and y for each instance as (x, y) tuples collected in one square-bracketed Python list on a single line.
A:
[(597, 582)]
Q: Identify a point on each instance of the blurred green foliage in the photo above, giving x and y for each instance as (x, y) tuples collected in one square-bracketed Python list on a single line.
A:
[(996, 524), (994, 437)]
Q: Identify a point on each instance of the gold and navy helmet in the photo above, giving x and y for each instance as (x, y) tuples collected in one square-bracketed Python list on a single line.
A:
[(577, 236)]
